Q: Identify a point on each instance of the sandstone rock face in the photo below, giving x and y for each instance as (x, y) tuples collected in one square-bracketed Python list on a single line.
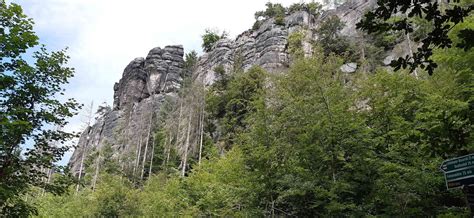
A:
[(138, 97), (267, 46), (147, 82)]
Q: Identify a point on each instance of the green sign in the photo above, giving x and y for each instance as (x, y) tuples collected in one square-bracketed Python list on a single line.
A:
[(460, 174), (458, 163), (459, 171)]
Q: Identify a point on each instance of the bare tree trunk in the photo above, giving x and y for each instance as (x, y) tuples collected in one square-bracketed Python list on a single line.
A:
[(186, 145), (410, 48), (89, 116), (201, 134), (165, 151), (80, 171), (152, 155), (97, 167), (179, 120), (146, 146), (137, 159), (169, 150), (82, 164), (49, 173)]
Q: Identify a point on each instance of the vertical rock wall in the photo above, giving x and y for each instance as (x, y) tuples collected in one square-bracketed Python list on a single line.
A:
[(146, 82)]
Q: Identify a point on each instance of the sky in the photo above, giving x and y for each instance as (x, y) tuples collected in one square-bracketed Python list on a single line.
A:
[(103, 36)]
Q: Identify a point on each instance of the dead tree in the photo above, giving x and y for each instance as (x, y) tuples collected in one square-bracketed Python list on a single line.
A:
[(152, 155), (146, 145), (89, 116), (186, 147)]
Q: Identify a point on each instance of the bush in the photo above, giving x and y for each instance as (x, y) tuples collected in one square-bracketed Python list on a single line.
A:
[(210, 38)]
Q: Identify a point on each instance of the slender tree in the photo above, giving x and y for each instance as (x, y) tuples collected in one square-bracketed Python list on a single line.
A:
[(152, 155), (31, 85), (186, 147), (88, 122), (146, 145)]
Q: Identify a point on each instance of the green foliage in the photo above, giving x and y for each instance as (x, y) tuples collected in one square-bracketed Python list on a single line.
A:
[(165, 196), (310, 145), (329, 36), (414, 127), (223, 187), (272, 10), (278, 12), (305, 142), (29, 106), (313, 8), (306, 147), (295, 44), (210, 38), (230, 100), (190, 62), (113, 197), (441, 20)]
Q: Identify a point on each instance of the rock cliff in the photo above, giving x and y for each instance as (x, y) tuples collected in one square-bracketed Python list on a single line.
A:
[(147, 82), (138, 96)]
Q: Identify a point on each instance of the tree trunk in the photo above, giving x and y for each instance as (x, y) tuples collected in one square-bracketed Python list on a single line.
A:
[(186, 145), (137, 159), (169, 151), (179, 121), (82, 164), (146, 146), (201, 134), (80, 172), (152, 155), (410, 48), (97, 167)]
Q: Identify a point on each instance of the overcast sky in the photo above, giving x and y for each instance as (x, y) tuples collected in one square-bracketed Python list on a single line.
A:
[(103, 36)]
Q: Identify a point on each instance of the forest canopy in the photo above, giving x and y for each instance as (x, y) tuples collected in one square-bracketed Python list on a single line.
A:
[(309, 140)]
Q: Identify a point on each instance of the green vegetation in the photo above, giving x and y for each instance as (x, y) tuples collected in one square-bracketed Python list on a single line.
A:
[(329, 36), (295, 44), (210, 38), (310, 141), (277, 11), (310, 145), (31, 116), (190, 62), (440, 17)]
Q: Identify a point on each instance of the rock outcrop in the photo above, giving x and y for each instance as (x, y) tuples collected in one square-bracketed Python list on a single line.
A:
[(147, 82), (267, 46), (138, 97)]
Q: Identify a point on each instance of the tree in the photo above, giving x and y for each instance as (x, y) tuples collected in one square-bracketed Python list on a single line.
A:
[(329, 36), (210, 38), (29, 106), (306, 146), (276, 11), (190, 62), (415, 124), (229, 100), (313, 8), (442, 20)]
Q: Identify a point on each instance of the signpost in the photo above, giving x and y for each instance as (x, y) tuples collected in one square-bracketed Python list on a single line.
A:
[(459, 173)]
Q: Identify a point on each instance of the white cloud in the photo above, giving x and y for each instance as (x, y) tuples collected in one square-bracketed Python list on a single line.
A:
[(104, 35)]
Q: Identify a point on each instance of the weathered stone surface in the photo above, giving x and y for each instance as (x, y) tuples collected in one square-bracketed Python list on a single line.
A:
[(139, 94), (146, 82), (267, 46), (349, 68)]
